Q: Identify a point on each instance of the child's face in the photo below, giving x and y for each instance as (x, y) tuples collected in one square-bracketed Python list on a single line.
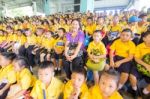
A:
[(45, 75), (28, 33), (125, 36), (147, 39), (16, 66), (77, 79), (60, 33), (97, 37), (39, 32), (108, 85), (48, 35), (3, 61)]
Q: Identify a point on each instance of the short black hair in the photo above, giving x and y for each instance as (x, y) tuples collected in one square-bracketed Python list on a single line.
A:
[(113, 73), (80, 71), (90, 18), (127, 30), (46, 64), (22, 61), (145, 34), (64, 31), (9, 55)]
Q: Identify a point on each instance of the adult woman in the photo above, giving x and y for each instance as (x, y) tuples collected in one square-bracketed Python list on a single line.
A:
[(73, 48)]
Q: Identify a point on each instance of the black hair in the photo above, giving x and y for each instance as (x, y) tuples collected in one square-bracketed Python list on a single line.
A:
[(64, 31), (97, 31), (112, 72), (46, 64), (127, 30), (9, 55), (80, 71), (145, 34), (22, 61), (90, 18), (80, 26)]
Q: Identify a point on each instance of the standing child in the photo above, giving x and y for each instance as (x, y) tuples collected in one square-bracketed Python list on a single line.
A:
[(7, 73), (124, 50), (107, 86), (59, 47), (47, 87), (97, 54)]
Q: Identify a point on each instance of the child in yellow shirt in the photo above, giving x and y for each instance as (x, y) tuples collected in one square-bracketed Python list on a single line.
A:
[(7, 73), (76, 88), (107, 86), (24, 79), (47, 87), (97, 54), (121, 55), (136, 74), (59, 46)]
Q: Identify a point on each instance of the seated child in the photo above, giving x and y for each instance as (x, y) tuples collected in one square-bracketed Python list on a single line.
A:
[(47, 87), (76, 88), (59, 49), (107, 86), (124, 50), (141, 50), (97, 54), (7, 73), (24, 79)]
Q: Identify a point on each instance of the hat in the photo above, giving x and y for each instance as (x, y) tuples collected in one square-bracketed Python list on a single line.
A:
[(134, 19)]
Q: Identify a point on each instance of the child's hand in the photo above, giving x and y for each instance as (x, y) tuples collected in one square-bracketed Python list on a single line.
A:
[(117, 64), (112, 64)]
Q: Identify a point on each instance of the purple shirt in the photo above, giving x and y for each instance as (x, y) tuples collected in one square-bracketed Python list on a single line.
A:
[(78, 38)]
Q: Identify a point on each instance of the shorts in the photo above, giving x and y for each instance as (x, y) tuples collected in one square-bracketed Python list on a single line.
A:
[(125, 67)]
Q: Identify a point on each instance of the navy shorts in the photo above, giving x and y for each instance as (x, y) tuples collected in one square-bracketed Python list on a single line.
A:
[(125, 67)]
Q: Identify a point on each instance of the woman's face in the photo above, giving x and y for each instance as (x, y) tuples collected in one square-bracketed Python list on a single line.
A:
[(75, 25)]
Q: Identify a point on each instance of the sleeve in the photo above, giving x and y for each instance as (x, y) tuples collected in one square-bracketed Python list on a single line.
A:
[(33, 93), (85, 93), (81, 37), (132, 49), (137, 52), (60, 90), (113, 46), (12, 77), (67, 37), (26, 81), (67, 91)]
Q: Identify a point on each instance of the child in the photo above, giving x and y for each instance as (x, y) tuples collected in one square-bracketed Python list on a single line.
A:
[(124, 50), (59, 49), (24, 79), (107, 86), (76, 88), (97, 54), (7, 73), (141, 50), (47, 87)]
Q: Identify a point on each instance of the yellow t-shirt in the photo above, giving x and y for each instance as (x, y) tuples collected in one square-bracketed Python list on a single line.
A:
[(59, 44), (21, 39), (68, 89), (12, 37), (24, 79), (123, 49), (116, 28), (96, 93), (31, 40), (96, 49), (8, 74), (48, 43), (141, 50), (90, 28), (101, 27), (39, 39), (52, 91), (2, 38)]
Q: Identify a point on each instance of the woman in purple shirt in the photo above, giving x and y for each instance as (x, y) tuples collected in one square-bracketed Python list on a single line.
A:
[(73, 49)]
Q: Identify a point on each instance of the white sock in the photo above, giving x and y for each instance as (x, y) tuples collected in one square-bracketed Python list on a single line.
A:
[(120, 86), (59, 68), (145, 91), (134, 88)]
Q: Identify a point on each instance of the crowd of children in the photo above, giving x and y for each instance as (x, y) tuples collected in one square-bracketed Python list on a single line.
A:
[(98, 52)]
